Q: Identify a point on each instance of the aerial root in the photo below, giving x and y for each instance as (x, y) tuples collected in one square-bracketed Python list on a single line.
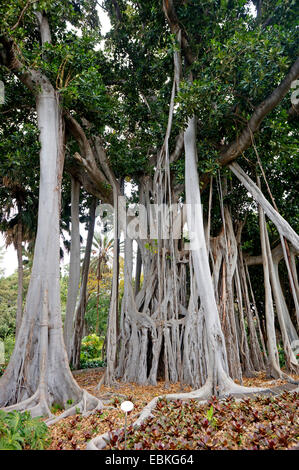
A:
[(230, 388), (88, 405)]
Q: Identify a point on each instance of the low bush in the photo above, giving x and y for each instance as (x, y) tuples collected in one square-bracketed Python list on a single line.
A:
[(19, 431)]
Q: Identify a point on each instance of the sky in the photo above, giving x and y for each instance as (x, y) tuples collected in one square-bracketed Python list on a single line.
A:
[(10, 262)]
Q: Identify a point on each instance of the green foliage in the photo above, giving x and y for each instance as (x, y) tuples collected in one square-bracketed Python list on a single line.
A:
[(281, 355), (124, 92), (8, 303), (20, 431), (210, 416), (91, 347), (9, 344), (7, 320), (56, 407)]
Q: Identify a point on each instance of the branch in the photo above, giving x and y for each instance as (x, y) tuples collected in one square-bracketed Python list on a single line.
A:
[(178, 148), (282, 225), (32, 79), (173, 22), (244, 140), (78, 172), (23, 12), (117, 10), (88, 159)]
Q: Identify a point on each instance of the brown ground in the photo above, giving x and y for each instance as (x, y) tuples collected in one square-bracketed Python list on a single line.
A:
[(75, 431)]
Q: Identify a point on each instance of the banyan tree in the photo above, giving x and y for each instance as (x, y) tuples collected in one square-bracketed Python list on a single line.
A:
[(198, 127), (194, 318)]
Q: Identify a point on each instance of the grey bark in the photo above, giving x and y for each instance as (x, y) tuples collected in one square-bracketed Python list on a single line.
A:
[(282, 225), (138, 271), (218, 381), (74, 269), (274, 369), (38, 373), (82, 302), (20, 269)]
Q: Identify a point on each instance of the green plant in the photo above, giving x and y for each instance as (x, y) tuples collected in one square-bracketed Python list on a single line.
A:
[(256, 423), (92, 363), (91, 347), (281, 356), (56, 407), (20, 431), (210, 416)]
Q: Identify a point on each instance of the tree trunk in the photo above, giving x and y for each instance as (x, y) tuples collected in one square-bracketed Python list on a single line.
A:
[(274, 368), (74, 271), (20, 270), (38, 372), (40, 337), (138, 271), (112, 327), (81, 307)]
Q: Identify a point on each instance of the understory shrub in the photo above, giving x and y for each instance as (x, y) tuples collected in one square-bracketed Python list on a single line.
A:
[(281, 355), (91, 347), (92, 363), (19, 431), (9, 344)]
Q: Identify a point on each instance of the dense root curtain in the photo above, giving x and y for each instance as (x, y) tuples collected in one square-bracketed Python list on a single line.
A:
[(218, 381)]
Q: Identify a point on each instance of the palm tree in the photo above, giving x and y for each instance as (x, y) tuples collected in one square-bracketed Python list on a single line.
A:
[(102, 251), (18, 224)]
